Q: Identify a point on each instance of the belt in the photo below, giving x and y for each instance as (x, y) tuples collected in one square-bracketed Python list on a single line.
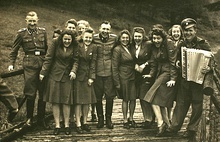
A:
[(36, 53)]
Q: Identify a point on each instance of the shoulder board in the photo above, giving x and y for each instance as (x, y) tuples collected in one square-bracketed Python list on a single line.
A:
[(22, 30), (96, 35), (41, 28), (112, 35)]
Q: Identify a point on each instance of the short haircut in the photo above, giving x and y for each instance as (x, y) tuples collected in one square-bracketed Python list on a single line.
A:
[(72, 21)]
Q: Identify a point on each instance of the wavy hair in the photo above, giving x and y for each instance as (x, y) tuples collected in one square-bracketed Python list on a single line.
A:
[(73, 34), (125, 31)]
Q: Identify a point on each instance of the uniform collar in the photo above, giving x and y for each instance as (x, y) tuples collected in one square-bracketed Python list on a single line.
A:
[(103, 39), (30, 31)]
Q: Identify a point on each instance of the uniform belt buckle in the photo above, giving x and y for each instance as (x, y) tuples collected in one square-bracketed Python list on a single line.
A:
[(37, 53)]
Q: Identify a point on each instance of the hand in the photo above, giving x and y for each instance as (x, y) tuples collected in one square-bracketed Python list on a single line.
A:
[(205, 69), (178, 64), (146, 76), (72, 76), (10, 68), (171, 83), (90, 81), (142, 66), (41, 77), (136, 67)]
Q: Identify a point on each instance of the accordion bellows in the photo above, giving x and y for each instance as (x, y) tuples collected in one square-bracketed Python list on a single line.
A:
[(193, 61)]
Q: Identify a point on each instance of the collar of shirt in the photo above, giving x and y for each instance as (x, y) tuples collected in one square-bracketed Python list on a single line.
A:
[(103, 39)]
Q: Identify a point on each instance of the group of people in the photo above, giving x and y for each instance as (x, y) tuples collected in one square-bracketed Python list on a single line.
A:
[(80, 68)]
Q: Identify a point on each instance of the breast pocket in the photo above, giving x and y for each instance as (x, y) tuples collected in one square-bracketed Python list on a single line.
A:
[(28, 42)]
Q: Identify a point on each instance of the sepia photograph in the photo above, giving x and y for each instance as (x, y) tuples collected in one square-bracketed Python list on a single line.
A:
[(109, 71)]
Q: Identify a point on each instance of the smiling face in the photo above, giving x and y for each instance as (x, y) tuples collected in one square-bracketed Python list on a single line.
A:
[(176, 33), (71, 26), (67, 39), (138, 38), (105, 30), (125, 39), (87, 38), (32, 22), (81, 28), (157, 40), (189, 33)]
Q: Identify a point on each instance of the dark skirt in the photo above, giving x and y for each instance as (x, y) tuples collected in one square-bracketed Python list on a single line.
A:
[(127, 90), (59, 92), (159, 93), (84, 94), (142, 86)]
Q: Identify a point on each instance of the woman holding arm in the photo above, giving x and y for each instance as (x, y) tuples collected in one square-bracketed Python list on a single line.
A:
[(60, 67)]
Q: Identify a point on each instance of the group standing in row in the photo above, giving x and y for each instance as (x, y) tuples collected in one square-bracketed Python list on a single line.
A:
[(80, 67)]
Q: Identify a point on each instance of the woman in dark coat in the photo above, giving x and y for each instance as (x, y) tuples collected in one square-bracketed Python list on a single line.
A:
[(84, 91), (124, 75), (161, 94), (60, 67), (141, 55)]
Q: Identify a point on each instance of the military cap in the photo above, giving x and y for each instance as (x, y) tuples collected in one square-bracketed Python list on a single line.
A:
[(188, 23)]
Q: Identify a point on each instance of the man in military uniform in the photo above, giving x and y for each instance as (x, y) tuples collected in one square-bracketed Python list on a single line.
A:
[(33, 40), (7, 97), (189, 93), (103, 84)]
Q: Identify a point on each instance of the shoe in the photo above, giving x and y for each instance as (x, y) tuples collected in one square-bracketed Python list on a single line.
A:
[(189, 134), (86, 127), (100, 121), (67, 130), (126, 125), (93, 118), (109, 124), (56, 131), (162, 130), (79, 130), (146, 125), (133, 124)]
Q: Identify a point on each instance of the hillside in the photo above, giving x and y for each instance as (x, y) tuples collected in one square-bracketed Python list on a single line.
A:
[(12, 17)]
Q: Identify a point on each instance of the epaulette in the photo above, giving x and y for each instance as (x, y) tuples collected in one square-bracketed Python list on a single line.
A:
[(41, 28), (22, 30), (112, 35), (96, 35)]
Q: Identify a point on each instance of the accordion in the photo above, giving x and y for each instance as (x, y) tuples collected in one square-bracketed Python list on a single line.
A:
[(193, 61)]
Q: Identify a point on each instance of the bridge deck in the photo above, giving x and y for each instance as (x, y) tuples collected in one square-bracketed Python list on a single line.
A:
[(118, 134)]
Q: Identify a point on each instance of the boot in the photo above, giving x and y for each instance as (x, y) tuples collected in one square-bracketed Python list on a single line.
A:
[(109, 122), (99, 110), (41, 114), (100, 121), (30, 111), (109, 107)]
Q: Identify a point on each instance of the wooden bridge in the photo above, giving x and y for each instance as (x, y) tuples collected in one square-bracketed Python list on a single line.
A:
[(118, 134), (209, 129)]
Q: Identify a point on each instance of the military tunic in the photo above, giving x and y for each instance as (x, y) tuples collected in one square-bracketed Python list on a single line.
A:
[(104, 81), (34, 44)]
